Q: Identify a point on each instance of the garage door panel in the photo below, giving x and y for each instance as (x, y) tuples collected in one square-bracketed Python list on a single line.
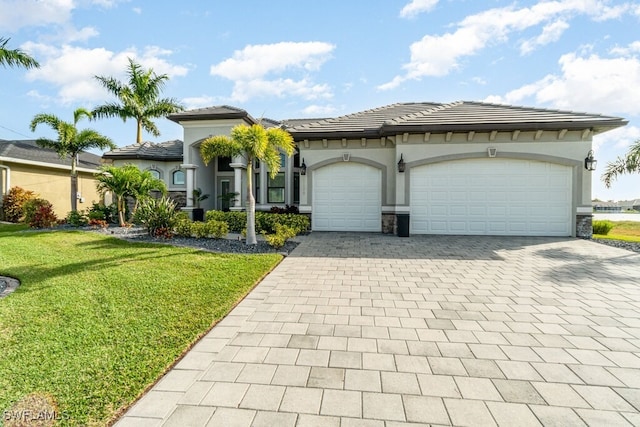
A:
[(347, 197), (491, 196)]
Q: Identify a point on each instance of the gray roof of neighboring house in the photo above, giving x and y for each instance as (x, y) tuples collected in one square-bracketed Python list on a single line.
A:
[(30, 151), (164, 151), (457, 116)]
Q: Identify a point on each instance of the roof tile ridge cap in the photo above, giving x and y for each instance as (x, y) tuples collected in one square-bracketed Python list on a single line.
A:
[(423, 113), (538, 109)]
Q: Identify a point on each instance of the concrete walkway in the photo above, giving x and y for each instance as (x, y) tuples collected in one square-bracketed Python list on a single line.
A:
[(376, 330)]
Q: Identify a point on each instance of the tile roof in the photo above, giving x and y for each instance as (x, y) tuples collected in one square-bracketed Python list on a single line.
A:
[(215, 113), (28, 150), (457, 116), (167, 151)]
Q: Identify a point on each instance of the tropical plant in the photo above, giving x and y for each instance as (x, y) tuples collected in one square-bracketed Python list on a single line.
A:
[(602, 227), (139, 99), (71, 142), (198, 197), (38, 213), (158, 216), (15, 57), (126, 181), (630, 163), (253, 143), (13, 202)]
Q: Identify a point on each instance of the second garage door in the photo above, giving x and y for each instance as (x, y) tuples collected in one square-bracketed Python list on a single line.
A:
[(347, 197), (491, 197)]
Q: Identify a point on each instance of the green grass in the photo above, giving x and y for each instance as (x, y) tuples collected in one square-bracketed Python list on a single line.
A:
[(97, 319), (629, 231)]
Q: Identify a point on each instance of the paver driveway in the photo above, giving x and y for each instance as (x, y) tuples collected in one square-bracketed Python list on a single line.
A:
[(375, 330)]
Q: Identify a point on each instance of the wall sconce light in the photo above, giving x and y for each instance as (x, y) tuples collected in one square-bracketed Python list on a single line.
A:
[(589, 162), (401, 164), (303, 168)]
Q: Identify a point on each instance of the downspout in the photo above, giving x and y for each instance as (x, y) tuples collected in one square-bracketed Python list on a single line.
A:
[(6, 184)]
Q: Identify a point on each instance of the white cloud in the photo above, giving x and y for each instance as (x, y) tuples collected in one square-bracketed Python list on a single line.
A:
[(137, 10), (198, 102), (586, 83), (627, 50), (72, 69), (415, 7), (319, 110), (438, 55), (17, 14), (250, 68), (550, 33)]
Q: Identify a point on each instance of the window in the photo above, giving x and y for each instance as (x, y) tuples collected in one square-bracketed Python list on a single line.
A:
[(178, 178), (275, 189), (154, 173), (296, 188), (224, 164)]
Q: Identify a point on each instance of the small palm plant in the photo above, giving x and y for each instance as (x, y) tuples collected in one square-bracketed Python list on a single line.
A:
[(198, 197)]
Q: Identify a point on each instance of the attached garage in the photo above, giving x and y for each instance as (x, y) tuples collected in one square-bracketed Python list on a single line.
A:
[(491, 196), (347, 197)]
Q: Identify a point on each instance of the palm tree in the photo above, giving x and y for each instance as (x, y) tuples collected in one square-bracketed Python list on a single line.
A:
[(71, 142), (630, 163), (15, 57), (139, 99), (252, 143), (127, 181)]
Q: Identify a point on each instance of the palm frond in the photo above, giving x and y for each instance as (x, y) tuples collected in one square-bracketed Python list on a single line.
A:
[(15, 57), (628, 164)]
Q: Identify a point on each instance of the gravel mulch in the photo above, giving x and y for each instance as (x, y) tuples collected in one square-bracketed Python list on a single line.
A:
[(630, 246), (232, 244)]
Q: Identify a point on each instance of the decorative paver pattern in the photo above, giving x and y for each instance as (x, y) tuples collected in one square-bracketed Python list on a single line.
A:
[(377, 330)]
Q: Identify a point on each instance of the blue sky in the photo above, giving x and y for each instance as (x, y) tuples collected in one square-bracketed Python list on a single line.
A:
[(295, 58)]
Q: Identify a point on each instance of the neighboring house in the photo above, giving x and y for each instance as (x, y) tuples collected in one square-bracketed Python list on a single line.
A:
[(608, 207), (24, 164), (459, 168), (163, 160)]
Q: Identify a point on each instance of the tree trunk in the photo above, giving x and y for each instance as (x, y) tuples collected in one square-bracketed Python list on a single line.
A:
[(74, 184), (121, 202), (139, 133), (251, 206)]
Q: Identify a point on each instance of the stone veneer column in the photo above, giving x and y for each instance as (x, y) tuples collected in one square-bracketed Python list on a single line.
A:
[(584, 226)]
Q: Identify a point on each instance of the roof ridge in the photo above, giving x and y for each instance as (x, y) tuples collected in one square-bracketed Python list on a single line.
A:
[(540, 109), (422, 113), (351, 115)]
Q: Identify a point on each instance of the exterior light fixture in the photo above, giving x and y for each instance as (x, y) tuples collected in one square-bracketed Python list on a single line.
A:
[(303, 168), (401, 164), (589, 162)]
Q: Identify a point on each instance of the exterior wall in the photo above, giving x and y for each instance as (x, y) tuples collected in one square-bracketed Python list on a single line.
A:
[(53, 185), (567, 148)]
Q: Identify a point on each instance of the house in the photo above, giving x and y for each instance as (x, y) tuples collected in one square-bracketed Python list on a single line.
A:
[(24, 164), (607, 207), (458, 168), (163, 160)]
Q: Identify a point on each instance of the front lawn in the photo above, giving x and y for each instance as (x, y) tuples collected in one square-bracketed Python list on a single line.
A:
[(628, 231), (97, 319)]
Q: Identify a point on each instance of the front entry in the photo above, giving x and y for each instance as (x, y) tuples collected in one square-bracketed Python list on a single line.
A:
[(225, 196)]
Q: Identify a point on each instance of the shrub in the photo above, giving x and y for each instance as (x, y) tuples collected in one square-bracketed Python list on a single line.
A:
[(602, 227), (38, 213), (77, 218), (286, 210), (217, 229), (158, 216), (280, 237), (265, 221), (98, 223), (183, 227), (13, 202), (199, 229), (104, 212)]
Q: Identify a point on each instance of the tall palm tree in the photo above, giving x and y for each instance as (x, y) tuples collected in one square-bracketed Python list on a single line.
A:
[(139, 99), (71, 142), (252, 143), (15, 57), (630, 163), (127, 181)]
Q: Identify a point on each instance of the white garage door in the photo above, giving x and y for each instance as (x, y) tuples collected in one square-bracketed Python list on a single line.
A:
[(491, 197), (346, 197)]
